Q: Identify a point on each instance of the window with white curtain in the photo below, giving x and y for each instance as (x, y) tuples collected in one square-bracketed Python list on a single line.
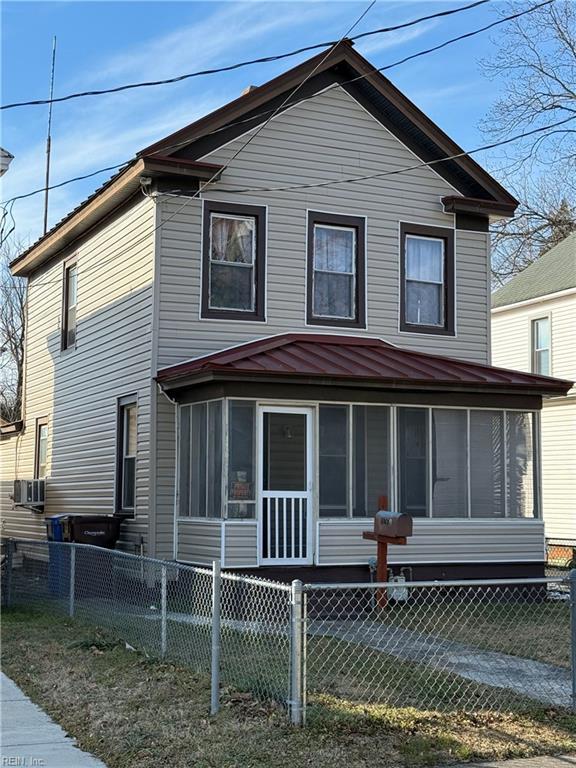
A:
[(336, 279), (232, 261), (541, 346), (334, 271), (424, 283)]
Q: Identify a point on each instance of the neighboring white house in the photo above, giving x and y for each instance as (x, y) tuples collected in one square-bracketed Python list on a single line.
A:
[(534, 329), (258, 329)]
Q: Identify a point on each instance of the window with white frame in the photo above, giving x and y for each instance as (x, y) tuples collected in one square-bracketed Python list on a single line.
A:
[(233, 261), (69, 318), (41, 452), (241, 459), (541, 346), (126, 454), (336, 284), (427, 279)]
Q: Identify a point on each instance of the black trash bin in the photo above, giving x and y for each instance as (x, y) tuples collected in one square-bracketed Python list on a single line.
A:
[(99, 530)]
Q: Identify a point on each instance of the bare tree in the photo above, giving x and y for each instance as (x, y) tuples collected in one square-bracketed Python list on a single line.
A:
[(536, 65), (12, 316)]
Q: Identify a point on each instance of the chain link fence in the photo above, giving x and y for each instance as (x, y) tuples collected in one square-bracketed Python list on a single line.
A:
[(460, 646)]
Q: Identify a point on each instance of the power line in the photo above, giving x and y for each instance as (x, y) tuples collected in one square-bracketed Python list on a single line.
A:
[(260, 128), (350, 180), (238, 65), (300, 101)]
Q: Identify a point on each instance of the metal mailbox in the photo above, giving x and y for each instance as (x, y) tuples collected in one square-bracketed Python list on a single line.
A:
[(392, 524)]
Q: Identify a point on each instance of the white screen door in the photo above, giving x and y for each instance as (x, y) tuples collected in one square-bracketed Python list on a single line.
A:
[(285, 481)]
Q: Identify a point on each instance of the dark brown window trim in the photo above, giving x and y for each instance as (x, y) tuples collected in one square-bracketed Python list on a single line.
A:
[(338, 220), (259, 213), (119, 509), (40, 422), (446, 234), (68, 263)]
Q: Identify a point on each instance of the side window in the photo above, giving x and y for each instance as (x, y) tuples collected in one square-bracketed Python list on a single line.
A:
[(70, 295), (41, 449), (233, 261), (541, 346), (336, 267), (127, 439), (427, 279)]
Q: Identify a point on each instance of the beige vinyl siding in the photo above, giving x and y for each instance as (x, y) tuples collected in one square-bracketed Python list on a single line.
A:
[(165, 476), (78, 389), (559, 469), (240, 544), (15, 522), (328, 137), (199, 541), (511, 348), (437, 541)]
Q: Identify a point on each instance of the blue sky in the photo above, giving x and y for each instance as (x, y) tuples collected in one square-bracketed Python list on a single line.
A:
[(102, 44)]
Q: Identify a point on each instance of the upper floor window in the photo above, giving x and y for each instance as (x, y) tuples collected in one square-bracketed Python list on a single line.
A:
[(234, 253), (541, 346), (69, 306), (41, 452), (427, 279), (336, 279), (126, 454)]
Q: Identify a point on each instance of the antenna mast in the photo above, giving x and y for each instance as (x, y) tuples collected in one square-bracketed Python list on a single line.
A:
[(49, 137)]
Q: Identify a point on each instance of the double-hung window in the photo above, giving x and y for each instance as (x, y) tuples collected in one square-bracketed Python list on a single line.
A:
[(41, 452), (233, 261), (126, 454), (336, 283), (427, 279), (541, 346), (69, 306)]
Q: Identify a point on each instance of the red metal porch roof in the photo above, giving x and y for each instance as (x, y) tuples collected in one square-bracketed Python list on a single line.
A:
[(354, 358)]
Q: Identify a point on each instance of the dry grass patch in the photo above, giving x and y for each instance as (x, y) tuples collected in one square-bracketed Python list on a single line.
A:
[(134, 712)]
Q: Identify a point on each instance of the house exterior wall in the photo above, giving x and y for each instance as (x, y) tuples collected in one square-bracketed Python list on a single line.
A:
[(308, 143), (511, 348), (77, 389)]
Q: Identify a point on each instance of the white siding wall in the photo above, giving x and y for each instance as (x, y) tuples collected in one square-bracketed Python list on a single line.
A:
[(329, 137), (511, 348), (77, 389)]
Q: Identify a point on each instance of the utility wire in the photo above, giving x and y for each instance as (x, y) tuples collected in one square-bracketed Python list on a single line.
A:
[(260, 128), (300, 101), (238, 65), (333, 182)]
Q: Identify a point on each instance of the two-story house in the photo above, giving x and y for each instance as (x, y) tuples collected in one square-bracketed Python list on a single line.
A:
[(271, 323), (534, 329)]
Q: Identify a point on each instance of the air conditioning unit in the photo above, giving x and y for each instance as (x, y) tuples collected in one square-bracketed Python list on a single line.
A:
[(29, 493)]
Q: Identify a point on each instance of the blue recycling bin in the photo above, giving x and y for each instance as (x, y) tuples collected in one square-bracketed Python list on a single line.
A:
[(59, 556)]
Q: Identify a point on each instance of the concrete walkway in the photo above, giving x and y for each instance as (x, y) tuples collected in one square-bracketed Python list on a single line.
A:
[(533, 679), (548, 761), (28, 737)]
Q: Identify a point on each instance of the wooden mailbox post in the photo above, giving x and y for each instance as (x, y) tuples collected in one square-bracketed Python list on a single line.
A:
[(389, 528)]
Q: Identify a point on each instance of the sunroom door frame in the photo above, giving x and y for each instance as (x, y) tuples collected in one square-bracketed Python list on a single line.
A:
[(309, 495)]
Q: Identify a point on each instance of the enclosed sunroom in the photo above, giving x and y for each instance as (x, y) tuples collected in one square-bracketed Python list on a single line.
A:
[(287, 446)]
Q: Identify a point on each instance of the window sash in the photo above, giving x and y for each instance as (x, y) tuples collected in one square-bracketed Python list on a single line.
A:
[(128, 450), (70, 303), (336, 272), (541, 362), (410, 280), (223, 264), (41, 450)]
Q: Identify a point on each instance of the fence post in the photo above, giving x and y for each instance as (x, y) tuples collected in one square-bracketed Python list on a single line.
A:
[(8, 572), (296, 655), (572, 579), (215, 660), (72, 590), (164, 609)]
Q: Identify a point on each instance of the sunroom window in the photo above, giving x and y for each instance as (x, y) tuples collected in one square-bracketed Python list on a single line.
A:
[(200, 486), (241, 459)]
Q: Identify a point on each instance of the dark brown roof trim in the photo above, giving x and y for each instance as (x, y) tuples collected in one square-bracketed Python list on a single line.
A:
[(457, 204), (14, 428)]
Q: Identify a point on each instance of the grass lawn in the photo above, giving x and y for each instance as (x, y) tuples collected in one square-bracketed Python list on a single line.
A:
[(537, 630), (134, 712)]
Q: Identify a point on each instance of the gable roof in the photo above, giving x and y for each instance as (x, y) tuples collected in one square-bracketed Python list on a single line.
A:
[(325, 357), (343, 66), (554, 271)]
